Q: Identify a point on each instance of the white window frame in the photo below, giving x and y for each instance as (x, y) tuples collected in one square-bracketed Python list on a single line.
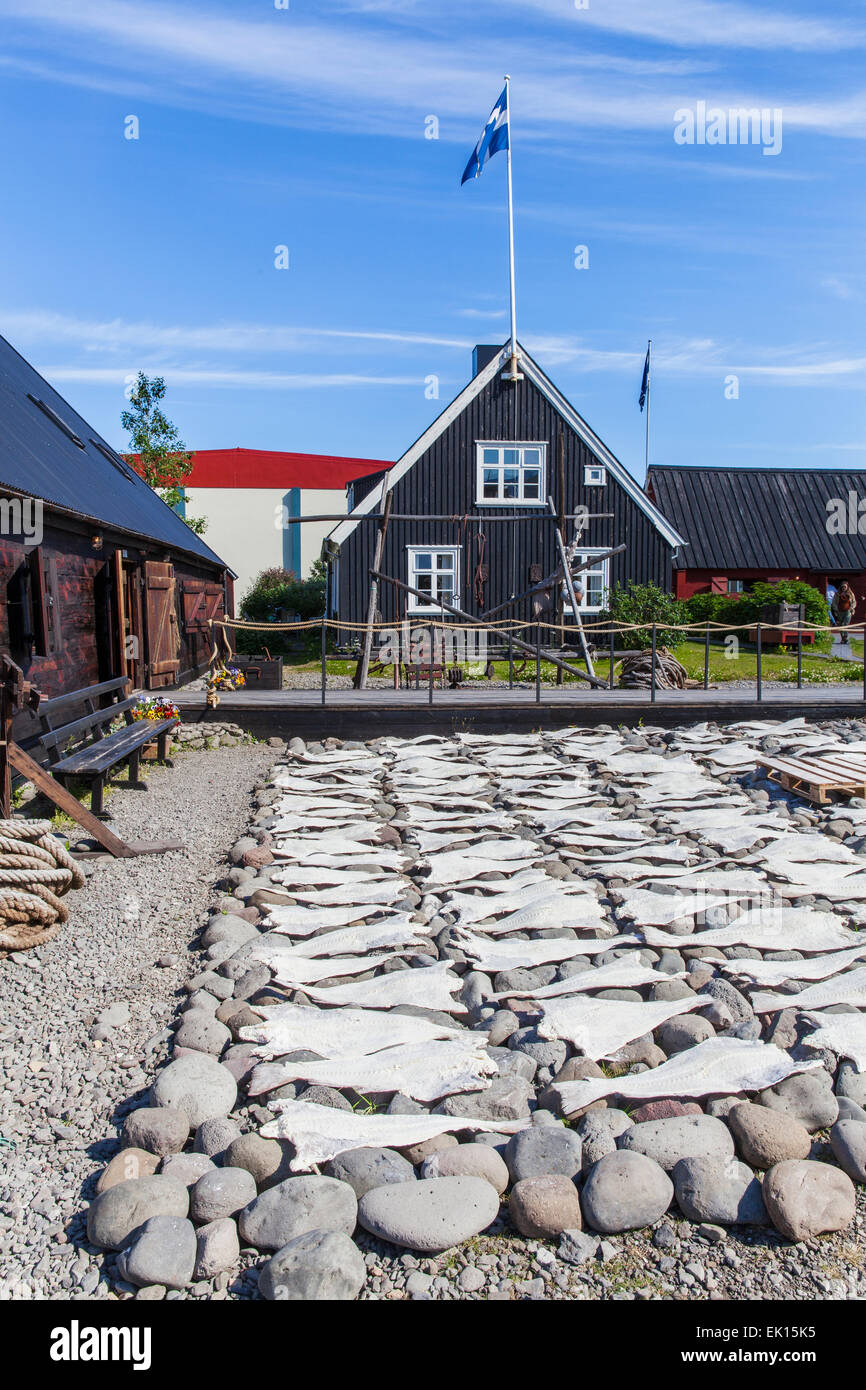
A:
[(603, 569), (416, 605), (520, 445), (589, 470)]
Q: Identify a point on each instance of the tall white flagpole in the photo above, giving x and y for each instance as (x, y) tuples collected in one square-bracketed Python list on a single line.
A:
[(513, 374)]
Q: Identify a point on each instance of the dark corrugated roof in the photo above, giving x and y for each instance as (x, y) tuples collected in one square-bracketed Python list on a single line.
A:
[(38, 457), (759, 518)]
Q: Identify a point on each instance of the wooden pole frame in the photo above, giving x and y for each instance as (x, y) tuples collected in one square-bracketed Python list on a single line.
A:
[(363, 667)]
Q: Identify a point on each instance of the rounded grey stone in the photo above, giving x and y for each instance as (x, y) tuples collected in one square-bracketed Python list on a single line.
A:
[(217, 1249), (679, 1034), (267, 1160), (308, 1203), (159, 1129), (116, 1213), (318, 1266), (684, 1136), (431, 1214), (223, 1192), (202, 1032), (364, 1169), (542, 1150), (625, 1191), (198, 1085), (186, 1168), (808, 1097), (722, 1191), (848, 1142), (163, 1252), (214, 1136)]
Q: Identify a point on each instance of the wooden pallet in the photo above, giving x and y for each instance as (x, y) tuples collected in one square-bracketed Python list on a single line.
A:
[(815, 778)]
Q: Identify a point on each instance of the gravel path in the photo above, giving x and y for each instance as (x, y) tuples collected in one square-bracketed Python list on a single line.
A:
[(61, 1086)]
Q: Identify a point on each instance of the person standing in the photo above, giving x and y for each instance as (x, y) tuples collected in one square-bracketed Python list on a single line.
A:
[(843, 607)]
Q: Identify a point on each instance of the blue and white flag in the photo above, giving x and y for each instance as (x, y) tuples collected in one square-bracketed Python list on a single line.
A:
[(495, 137), (644, 386)]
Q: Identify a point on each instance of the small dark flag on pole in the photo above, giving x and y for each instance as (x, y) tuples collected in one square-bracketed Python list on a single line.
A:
[(644, 386)]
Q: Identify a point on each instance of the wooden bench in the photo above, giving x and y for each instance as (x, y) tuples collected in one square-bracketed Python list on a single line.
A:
[(96, 751), (814, 778)]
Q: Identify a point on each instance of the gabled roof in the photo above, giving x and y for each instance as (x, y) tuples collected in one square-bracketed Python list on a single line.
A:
[(533, 372), (759, 518), (268, 468), (48, 450)]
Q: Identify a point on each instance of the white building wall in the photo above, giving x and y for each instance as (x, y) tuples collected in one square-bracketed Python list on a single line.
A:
[(245, 527)]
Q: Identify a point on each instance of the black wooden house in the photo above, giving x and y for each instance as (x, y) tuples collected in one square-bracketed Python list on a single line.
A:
[(501, 448)]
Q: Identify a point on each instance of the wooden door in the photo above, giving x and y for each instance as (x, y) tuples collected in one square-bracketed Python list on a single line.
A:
[(163, 637)]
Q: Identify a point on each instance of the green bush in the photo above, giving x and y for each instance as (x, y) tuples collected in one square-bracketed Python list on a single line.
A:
[(738, 609), (278, 596), (645, 603)]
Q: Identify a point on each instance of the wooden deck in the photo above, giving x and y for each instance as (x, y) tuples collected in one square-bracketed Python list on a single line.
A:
[(371, 713)]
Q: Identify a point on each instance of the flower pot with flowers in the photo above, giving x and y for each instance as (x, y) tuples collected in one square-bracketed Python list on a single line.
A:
[(154, 708), (223, 677)]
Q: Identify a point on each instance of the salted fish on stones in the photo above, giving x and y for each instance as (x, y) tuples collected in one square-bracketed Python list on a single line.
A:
[(516, 955), (779, 972), (669, 853), (717, 1067), (319, 1133), (849, 988), (392, 932), (599, 1027), (304, 921), (448, 869), (428, 987), (376, 856), (302, 875), (626, 972), (844, 1034), (648, 909), (349, 1033), (768, 929), (351, 894), (471, 908), (577, 910), (425, 1071), (295, 971)]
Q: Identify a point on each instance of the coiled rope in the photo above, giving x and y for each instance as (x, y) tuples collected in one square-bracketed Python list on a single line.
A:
[(35, 872)]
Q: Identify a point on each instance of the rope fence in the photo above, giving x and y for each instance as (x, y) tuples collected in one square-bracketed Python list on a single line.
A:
[(654, 669)]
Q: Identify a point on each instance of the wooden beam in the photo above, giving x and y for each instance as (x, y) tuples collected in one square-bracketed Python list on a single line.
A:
[(569, 584), (362, 669), (480, 517), (45, 783), (551, 580), (533, 650)]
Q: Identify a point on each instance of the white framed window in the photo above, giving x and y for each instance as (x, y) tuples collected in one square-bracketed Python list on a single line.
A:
[(594, 475), (510, 475), (435, 570), (594, 580)]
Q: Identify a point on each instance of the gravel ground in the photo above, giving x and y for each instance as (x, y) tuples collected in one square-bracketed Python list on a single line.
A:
[(62, 1088)]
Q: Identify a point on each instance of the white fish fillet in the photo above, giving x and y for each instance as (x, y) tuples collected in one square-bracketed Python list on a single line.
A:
[(768, 929), (425, 1071), (516, 955), (301, 847), (301, 875), (472, 908), (297, 971), (428, 987), (446, 869), (844, 1034), (318, 1133), (348, 1033), (351, 895), (495, 887), (559, 910), (394, 932), (778, 972), (303, 921), (624, 973), (717, 1067), (849, 988), (647, 909), (600, 1027), (376, 857)]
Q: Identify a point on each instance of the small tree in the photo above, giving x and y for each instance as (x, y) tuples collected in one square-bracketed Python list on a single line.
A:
[(159, 454), (645, 603)]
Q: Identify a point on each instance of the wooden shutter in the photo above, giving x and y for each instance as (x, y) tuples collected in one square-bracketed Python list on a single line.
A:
[(39, 623), (202, 601), (163, 638)]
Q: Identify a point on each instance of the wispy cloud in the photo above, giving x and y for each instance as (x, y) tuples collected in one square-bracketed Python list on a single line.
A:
[(210, 376)]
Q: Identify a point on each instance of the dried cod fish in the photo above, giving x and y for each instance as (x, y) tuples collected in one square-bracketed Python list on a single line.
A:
[(304, 921), (349, 1033), (769, 929), (577, 910), (296, 971), (717, 1067), (429, 987), (600, 1027), (844, 1034), (351, 894), (319, 1133), (647, 909), (425, 1071), (779, 972), (393, 932), (626, 972), (516, 955), (849, 988)]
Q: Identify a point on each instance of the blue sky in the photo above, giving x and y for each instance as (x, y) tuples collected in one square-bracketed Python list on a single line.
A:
[(305, 127)]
